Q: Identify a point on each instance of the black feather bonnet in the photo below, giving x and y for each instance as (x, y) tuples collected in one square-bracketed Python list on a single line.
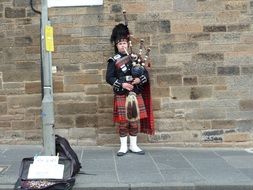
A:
[(119, 32)]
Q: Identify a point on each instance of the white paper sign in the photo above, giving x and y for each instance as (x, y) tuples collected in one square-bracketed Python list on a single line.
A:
[(68, 3), (43, 171)]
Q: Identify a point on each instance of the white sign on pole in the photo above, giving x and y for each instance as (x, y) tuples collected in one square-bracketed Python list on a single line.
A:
[(69, 3)]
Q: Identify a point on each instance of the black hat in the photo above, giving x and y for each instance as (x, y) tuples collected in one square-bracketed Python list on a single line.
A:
[(119, 32)]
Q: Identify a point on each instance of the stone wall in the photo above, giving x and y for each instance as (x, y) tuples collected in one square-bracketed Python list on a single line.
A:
[(202, 71)]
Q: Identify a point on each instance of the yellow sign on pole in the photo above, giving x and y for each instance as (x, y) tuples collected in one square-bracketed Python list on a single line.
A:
[(49, 33)]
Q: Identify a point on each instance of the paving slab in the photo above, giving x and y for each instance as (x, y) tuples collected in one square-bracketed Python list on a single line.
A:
[(159, 169)]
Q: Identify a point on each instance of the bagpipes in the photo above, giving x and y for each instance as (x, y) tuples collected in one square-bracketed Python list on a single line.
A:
[(139, 62)]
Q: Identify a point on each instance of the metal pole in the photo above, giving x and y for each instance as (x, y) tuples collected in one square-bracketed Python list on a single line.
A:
[(47, 101)]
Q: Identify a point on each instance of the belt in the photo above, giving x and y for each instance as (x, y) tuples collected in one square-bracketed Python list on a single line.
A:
[(127, 78)]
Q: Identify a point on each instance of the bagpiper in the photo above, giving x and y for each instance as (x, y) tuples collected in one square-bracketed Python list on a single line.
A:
[(128, 74)]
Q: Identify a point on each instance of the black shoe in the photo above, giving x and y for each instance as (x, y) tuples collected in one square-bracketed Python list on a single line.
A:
[(121, 153), (142, 152)]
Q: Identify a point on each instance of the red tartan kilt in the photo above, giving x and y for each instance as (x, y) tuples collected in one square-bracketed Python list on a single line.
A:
[(119, 112)]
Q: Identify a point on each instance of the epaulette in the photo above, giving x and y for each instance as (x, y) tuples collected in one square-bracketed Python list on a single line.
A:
[(114, 58), (117, 56)]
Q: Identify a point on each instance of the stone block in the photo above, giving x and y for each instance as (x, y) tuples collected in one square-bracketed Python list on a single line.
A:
[(225, 38), (165, 125), (214, 28), (211, 47), (170, 48), (185, 5), (192, 93), (200, 92), (214, 80), (198, 37), (151, 26), (84, 121), (82, 79), (105, 101), (156, 104), (200, 69), (64, 122), (172, 59), (232, 70), (76, 108), (10, 134), (27, 66), (103, 139), (169, 80), (220, 88), (186, 26), (203, 57), (74, 88), (178, 136), (58, 86), (6, 42), (238, 58), (23, 101), (106, 119), (107, 130), (206, 114), (99, 89), (82, 133), (244, 125), (246, 105), (15, 13), (23, 41), (190, 80), (3, 98), (237, 137), (116, 8), (236, 5), (5, 124), (34, 136), (164, 26), (23, 125), (197, 125), (32, 87), (247, 38), (32, 50), (91, 31), (223, 124), (135, 7), (17, 76), (228, 16), (247, 70), (14, 53), (221, 103), (238, 28), (161, 92)]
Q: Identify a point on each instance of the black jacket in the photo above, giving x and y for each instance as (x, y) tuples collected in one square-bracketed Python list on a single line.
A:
[(118, 73)]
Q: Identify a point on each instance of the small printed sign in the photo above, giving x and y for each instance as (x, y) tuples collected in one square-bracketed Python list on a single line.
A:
[(68, 3), (49, 33)]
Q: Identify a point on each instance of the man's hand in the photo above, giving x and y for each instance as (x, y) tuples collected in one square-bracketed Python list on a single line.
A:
[(136, 81), (127, 86)]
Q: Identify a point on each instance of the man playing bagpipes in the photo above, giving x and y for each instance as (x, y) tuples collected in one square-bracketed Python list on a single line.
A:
[(127, 74)]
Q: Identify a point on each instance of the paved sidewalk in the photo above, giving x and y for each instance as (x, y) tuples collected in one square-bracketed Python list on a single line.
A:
[(160, 168)]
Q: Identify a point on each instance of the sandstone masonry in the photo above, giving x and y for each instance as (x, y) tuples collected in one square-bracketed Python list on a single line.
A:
[(201, 72)]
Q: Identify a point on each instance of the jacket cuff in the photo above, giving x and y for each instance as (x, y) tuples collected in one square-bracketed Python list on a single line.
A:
[(117, 84), (143, 79)]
